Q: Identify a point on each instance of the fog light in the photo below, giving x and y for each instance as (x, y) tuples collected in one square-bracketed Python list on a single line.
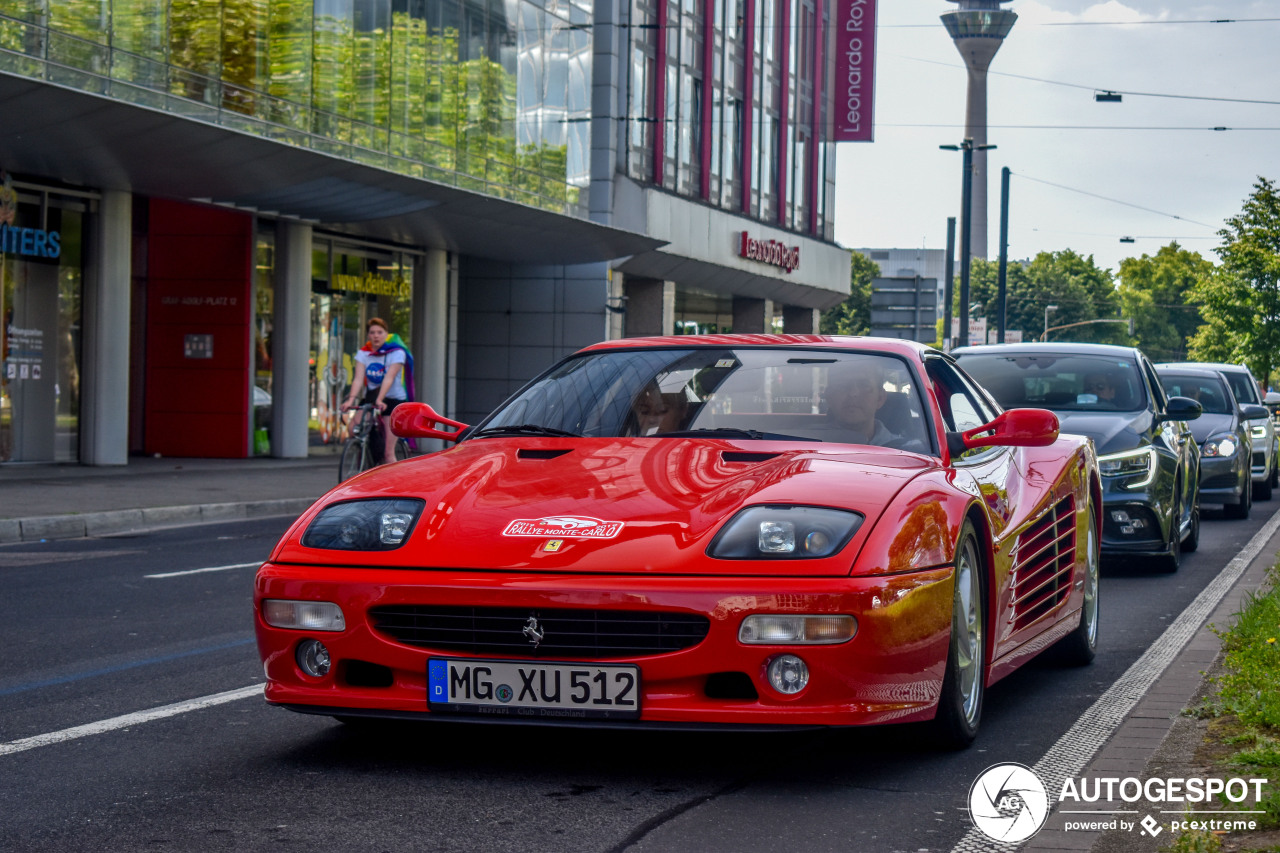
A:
[(777, 537), (303, 615), (788, 674), (313, 658), (1119, 516)]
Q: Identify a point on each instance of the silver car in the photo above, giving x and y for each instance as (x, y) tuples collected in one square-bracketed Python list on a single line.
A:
[(1265, 467)]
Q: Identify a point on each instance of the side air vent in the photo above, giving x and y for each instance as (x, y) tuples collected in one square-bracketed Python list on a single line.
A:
[(1043, 559), (536, 453)]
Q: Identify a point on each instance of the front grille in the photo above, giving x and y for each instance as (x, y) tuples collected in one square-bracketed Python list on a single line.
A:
[(500, 631)]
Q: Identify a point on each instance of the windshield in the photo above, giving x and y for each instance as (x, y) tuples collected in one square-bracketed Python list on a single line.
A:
[(1060, 382), (755, 393), (1242, 385), (1209, 392)]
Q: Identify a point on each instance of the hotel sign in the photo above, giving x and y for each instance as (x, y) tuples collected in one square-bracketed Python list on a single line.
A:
[(769, 252), (853, 86)]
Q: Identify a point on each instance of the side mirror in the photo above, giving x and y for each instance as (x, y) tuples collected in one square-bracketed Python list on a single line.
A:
[(1253, 412), (1014, 428), (1182, 409), (418, 420)]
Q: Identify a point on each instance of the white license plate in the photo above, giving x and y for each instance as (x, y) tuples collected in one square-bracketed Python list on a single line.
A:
[(533, 688)]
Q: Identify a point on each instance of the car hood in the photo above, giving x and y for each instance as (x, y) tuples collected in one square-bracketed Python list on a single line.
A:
[(1113, 432), (635, 505), (1207, 425)]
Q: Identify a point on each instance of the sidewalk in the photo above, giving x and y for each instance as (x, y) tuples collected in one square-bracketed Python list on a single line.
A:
[(67, 501)]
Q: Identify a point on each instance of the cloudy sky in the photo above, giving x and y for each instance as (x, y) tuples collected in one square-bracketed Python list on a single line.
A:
[(1085, 174)]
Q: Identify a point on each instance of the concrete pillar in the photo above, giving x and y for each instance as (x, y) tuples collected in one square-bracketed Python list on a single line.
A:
[(752, 316), (651, 307), (104, 401), (291, 341), (797, 320), (430, 334)]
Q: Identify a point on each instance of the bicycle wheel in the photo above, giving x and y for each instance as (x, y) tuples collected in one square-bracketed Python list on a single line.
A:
[(355, 458), (402, 450)]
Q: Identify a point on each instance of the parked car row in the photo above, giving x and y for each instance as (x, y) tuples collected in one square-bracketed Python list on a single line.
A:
[(1169, 437)]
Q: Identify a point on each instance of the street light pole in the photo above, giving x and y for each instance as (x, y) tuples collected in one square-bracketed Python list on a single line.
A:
[(966, 216), (1047, 309)]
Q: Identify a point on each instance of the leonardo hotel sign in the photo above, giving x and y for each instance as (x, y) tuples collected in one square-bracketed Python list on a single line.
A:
[(769, 252), (853, 87)]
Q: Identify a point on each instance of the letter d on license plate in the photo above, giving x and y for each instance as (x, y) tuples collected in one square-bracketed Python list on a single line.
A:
[(533, 689)]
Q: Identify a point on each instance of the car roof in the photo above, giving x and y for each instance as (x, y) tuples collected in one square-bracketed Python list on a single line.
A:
[(859, 343), (1188, 370), (1211, 365), (1063, 347)]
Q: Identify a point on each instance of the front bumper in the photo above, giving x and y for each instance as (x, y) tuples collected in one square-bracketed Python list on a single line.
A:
[(891, 671), (1221, 481)]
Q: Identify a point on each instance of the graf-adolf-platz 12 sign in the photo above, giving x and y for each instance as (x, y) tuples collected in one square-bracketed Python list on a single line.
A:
[(853, 87), (769, 252)]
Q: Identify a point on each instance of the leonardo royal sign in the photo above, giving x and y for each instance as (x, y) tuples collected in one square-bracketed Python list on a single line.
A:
[(853, 87), (769, 252)]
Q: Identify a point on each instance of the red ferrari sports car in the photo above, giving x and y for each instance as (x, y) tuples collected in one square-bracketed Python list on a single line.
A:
[(726, 530)]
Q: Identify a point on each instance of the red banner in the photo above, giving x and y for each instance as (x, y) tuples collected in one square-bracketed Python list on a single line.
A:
[(853, 85)]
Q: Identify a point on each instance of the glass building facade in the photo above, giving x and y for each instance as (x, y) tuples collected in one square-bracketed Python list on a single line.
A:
[(489, 96), (729, 114)]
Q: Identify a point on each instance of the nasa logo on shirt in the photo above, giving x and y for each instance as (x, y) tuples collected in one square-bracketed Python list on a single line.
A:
[(374, 372)]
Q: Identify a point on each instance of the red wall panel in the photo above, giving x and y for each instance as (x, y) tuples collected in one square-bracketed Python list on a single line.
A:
[(200, 266)]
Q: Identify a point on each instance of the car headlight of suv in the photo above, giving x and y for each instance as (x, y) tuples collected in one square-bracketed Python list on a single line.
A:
[(1258, 430), (367, 525), (1138, 464), (1220, 446), (784, 533)]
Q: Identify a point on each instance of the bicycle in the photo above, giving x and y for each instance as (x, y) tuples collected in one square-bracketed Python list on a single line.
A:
[(366, 443)]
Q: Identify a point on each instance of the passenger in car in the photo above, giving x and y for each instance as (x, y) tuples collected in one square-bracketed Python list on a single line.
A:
[(855, 396)]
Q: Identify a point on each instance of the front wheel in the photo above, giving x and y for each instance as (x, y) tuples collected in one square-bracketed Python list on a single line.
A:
[(1192, 542), (963, 684), (355, 458)]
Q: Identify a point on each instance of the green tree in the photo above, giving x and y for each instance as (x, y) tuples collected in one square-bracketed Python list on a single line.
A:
[(1242, 297), (1158, 293), (853, 316), (1074, 283)]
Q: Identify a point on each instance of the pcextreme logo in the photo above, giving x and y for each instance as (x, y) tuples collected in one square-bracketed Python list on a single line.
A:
[(1010, 803)]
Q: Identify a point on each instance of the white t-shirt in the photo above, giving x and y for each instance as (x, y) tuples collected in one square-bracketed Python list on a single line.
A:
[(375, 368)]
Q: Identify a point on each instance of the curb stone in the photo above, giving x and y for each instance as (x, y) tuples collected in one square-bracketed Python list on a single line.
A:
[(150, 518)]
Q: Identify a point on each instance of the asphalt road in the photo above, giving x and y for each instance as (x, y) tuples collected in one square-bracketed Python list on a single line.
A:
[(87, 637)]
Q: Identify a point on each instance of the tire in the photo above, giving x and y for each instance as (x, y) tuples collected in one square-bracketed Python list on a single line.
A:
[(355, 458), (402, 450), (963, 685), (1192, 542), (1275, 470), (1240, 510), (1079, 647), (1171, 560), (1262, 490)]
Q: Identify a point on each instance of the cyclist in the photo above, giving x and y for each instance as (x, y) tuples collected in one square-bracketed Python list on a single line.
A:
[(385, 375)]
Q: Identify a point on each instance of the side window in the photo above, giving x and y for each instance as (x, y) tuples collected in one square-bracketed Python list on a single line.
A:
[(963, 406)]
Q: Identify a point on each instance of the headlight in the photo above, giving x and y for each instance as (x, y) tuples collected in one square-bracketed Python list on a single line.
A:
[(1132, 463), (784, 532), (1220, 446), (303, 615), (786, 630), (371, 525), (1259, 431)]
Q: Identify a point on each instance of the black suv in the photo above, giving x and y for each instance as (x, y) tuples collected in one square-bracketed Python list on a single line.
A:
[(1149, 461)]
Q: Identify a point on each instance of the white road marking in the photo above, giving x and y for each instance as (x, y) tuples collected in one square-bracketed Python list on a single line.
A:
[(1073, 751), (201, 571), (127, 720)]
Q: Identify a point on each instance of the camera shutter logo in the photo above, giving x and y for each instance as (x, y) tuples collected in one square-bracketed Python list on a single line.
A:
[(1008, 802)]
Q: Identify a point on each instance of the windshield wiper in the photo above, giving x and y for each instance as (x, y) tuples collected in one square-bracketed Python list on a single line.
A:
[(732, 432), (524, 429)]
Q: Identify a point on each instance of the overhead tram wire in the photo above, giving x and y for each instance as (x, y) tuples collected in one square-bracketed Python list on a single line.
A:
[(1105, 23), (1112, 200)]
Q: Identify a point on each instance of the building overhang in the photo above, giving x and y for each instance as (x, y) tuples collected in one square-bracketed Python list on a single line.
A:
[(701, 250), (82, 138)]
